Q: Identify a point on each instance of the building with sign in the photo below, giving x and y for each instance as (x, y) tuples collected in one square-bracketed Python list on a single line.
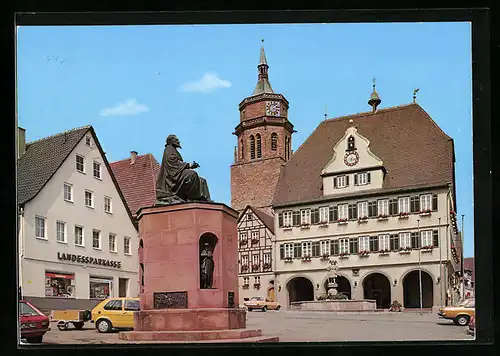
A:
[(77, 240)]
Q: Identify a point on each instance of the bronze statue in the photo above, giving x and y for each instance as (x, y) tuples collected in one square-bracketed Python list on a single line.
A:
[(207, 267), (177, 180)]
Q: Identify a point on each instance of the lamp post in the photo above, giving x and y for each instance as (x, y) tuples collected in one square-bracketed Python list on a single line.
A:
[(419, 265), (462, 258), (440, 263)]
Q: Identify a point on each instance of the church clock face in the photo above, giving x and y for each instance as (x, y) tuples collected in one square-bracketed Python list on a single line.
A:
[(272, 108), (351, 158)]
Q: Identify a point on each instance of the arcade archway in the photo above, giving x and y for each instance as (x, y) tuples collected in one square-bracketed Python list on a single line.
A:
[(411, 290), (378, 287), (344, 286), (300, 289)]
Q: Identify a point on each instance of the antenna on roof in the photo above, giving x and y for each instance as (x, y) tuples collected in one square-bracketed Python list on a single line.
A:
[(65, 137), (326, 111), (415, 95)]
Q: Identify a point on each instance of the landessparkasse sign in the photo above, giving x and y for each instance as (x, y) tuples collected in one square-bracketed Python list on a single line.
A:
[(87, 260)]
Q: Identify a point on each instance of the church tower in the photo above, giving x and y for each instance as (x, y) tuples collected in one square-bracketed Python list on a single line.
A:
[(264, 144)]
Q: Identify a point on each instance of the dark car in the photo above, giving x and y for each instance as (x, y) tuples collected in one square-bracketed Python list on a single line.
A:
[(33, 323)]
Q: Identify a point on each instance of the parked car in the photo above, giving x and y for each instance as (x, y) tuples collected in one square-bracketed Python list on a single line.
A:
[(460, 314), (262, 303), (471, 330), (115, 313), (33, 323)]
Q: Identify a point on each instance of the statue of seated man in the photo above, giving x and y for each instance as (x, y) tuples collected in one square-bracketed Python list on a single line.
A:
[(177, 180)]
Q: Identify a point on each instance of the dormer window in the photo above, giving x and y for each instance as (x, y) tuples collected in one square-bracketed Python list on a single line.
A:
[(350, 144), (362, 178), (341, 181)]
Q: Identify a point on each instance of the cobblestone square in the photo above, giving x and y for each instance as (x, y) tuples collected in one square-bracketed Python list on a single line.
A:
[(300, 326)]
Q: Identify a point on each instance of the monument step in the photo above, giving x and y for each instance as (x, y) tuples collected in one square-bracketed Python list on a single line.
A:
[(198, 335)]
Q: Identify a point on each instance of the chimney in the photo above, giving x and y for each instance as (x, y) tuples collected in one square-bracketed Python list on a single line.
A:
[(21, 141), (133, 156)]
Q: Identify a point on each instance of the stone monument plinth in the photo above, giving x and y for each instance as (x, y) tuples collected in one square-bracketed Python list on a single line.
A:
[(189, 276)]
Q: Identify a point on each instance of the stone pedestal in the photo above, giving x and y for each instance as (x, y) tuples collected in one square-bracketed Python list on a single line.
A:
[(174, 307)]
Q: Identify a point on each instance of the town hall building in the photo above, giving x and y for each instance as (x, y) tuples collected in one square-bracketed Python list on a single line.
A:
[(375, 191)]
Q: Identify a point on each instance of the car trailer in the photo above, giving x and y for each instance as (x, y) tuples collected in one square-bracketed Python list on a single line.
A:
[(66, 317)]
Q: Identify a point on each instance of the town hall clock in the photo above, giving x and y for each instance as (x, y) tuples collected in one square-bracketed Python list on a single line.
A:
[(351, 158), (273, 108)]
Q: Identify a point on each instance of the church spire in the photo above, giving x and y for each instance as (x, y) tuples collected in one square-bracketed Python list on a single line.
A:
[(263, 85)]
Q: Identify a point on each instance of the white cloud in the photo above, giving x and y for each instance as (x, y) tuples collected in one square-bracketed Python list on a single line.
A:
[(128, 108), (209, 82)]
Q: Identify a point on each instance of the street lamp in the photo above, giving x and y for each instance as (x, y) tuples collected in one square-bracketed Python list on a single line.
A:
[(419, 265), (440, 262)]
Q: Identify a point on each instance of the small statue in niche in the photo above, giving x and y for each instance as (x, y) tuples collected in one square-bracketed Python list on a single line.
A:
[(207, 266)]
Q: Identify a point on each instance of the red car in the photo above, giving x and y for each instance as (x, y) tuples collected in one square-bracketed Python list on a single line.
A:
[(472, 326), (33, 323)]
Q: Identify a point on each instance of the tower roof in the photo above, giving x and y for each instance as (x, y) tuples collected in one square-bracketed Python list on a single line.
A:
[(263, 84)]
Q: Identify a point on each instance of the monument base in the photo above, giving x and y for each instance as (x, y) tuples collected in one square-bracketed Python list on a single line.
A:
[(234, 335), (193, 325)]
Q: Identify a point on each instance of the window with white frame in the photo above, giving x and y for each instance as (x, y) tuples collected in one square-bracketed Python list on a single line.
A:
[(68, 192), (246, 280), (343, 211), (255, 259), (362, 209), (307, 249), (384, 242), (288, 250), (324, 247), (61, 231), (362, 178), (404, 240), (426, 238), (383, 207), (249, 217), (80, 164), (267, 258), (305, 217), (257, 279), (96, 239), (79, 235), (426, 202), (344, 245), (126, 245), (244, 260), (287, 218), (404, 205), (112, 242), (243, 236), (40, 227), (323, 214), (255, 235), (341, 182), (97, 170), (364, 243), (87, 140), (89, 199), (107, 205)]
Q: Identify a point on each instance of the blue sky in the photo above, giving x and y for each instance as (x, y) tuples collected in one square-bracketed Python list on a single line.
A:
[(137, 84)]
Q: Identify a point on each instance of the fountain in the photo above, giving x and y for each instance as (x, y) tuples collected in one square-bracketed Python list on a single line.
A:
[(333, 300)]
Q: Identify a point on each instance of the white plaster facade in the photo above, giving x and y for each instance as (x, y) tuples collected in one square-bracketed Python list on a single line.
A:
[(41, 255), (395, 264)]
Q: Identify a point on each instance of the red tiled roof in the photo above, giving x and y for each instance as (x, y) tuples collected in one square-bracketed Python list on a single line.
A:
[(137, 180), (414, 150), (469, 266)]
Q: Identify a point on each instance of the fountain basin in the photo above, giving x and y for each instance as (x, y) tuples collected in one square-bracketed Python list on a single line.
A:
[(361, 305)]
